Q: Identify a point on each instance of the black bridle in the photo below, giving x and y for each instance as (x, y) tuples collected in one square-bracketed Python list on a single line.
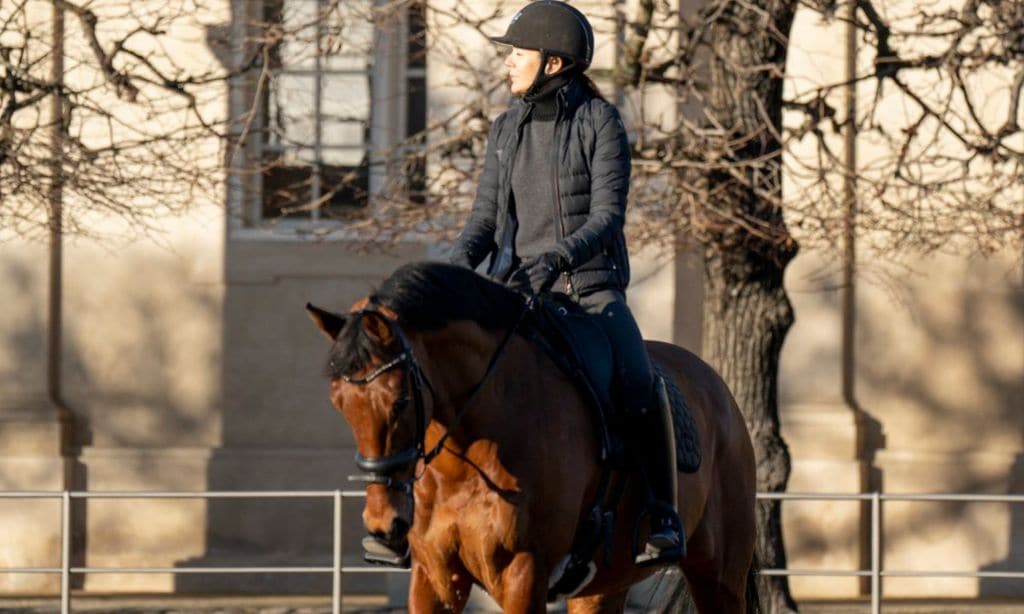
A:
[(382, 469)]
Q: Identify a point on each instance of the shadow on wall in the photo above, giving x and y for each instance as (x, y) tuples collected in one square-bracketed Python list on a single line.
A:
[(959, 392), (23, 368), (1014, 561), (279, 432), (24, 344), (142, 391), (137, 373)]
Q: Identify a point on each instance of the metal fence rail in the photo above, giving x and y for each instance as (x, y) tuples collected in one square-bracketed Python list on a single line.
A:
[(875, 572)]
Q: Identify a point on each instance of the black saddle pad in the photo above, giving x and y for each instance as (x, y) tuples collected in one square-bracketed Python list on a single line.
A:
[(687, 438)]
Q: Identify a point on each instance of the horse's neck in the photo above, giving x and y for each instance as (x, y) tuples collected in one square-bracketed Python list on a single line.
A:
[(525, 404), (458, 358)]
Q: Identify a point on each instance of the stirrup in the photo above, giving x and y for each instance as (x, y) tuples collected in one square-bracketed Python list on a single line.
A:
[(673, 551), (665, 545)]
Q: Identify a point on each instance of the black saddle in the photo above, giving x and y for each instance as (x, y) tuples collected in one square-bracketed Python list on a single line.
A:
[(581, 349), (578, 344)]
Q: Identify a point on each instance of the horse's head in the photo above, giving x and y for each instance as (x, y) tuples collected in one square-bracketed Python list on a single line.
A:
[(376, 384)]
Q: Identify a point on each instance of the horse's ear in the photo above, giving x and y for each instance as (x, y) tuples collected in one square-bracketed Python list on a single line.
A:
[(330, 323), (377, 328)]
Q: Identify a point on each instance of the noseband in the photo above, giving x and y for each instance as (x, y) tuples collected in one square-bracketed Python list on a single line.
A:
[(381, 469)]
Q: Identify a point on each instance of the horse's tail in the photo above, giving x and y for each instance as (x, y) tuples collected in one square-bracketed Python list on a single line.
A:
[(753, 596)]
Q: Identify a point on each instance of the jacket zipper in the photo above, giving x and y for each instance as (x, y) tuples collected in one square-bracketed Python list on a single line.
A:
[(558, 194)]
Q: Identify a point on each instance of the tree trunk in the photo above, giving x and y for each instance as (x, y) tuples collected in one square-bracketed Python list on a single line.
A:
[(746, 316), (747, 313)]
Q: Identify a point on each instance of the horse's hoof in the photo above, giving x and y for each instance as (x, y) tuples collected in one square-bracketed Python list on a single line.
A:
[(379, 552)]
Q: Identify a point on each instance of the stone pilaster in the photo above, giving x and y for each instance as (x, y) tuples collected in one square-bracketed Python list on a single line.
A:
[(32, 458), (823, 442)]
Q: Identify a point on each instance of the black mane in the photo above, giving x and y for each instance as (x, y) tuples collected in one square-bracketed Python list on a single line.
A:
[(426, 296), (431, 295)]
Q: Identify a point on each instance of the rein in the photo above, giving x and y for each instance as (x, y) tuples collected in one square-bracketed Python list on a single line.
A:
[(429, 456), (379, 469)]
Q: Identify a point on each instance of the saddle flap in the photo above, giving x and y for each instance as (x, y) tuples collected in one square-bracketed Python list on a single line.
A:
[(575, 335)]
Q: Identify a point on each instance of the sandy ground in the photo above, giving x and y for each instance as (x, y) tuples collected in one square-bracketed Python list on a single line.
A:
[(137, 604)]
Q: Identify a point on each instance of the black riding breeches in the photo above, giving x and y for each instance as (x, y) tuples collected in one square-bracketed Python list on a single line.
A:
[(633, 366)]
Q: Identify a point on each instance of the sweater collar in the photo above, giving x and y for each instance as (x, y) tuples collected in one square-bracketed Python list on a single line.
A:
[(567, 96)]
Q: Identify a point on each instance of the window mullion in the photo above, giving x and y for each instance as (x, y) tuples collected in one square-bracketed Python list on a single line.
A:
[(315, 178)]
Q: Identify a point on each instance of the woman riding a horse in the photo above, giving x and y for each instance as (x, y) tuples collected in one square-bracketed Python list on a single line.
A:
[(480, 448), (551, 207)]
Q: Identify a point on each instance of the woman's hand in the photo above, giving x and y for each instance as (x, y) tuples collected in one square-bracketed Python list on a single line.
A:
[(539, 272)]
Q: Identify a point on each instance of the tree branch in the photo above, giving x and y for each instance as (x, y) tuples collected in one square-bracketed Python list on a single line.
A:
[(628, 70)]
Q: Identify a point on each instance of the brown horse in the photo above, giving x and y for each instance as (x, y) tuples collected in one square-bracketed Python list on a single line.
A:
[(484, 458)]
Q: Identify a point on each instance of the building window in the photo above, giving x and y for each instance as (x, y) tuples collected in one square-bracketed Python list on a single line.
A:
[(346, 88)]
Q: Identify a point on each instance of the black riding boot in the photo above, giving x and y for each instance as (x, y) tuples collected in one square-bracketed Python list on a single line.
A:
[(655, 443)]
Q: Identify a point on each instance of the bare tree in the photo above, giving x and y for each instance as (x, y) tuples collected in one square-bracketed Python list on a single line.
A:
[(104, 101)]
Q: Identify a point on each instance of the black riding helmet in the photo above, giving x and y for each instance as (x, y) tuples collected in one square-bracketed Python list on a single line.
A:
[(553, 28)]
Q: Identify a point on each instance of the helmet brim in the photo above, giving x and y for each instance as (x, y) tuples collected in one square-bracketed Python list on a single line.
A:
[(507, 40)]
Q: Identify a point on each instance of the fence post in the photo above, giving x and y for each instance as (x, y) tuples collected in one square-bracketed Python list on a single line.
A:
[(336, 575), (876, 555), (65, 552)]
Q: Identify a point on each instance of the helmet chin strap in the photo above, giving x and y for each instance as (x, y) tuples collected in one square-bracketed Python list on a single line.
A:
[(540, 77)]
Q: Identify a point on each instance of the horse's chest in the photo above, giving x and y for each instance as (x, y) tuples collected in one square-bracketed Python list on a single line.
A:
[(477, 523), (468, 532)]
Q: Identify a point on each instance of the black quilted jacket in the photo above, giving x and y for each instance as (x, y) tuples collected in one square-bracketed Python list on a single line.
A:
[(591, 181)]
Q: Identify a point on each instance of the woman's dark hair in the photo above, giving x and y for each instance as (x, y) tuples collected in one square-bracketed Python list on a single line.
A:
[(589, 84)]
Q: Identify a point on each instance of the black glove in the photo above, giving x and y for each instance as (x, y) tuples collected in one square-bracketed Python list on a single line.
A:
[(519, 281), (541, 271)]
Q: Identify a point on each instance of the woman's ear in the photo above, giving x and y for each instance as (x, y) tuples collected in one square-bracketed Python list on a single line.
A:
[(554, 65)]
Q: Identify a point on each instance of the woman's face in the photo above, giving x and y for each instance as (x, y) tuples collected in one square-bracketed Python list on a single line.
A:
[(522, 67)]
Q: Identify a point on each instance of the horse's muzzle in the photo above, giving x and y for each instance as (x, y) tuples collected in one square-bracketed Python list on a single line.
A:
[(389, 549)]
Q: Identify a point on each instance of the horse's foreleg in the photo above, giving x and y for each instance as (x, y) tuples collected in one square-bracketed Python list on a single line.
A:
[(425, 599), (523, 586), (599, 604)]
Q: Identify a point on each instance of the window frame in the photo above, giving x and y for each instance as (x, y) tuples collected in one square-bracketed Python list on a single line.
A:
[(390, 72)]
